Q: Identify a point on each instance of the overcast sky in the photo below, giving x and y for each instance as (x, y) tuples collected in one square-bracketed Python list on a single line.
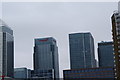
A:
[(37, 20), (59, 0)]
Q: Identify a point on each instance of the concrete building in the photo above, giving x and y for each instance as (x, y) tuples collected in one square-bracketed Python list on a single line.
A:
[(105, 54), (116, 40), (46, 57), (6, 50), (89, 74), (81, 50)]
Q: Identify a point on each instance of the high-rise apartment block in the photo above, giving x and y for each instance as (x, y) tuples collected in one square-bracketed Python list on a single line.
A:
[(46, 57), (6, 50), (105, 54), (81, 50), (116, 40)]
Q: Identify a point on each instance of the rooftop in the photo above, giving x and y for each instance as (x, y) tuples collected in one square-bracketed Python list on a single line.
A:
[(2, 23), (81, 33)]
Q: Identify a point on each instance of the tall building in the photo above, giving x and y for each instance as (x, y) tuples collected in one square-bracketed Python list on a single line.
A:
[(6, 50), (46, 57), (81, 50), (105, 54), (116, 40)]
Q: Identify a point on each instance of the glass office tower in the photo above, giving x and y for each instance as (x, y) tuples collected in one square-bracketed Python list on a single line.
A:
[(105, 54), (6, 50), (46, 57), (81, 50)]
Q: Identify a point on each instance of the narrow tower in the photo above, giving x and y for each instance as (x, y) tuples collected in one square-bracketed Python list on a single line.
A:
[(116, 40)]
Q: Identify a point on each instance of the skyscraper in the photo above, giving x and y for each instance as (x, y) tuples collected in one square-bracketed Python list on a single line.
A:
[(6, 50), (46, 57), (116, 40), (105, 54), (81, 50)]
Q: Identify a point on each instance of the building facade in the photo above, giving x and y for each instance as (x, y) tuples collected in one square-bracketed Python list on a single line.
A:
[(22, 73), (6, 50), (105, 54), (116, 40), (81, 50), (46, 56), (42, 74), (89, 74)]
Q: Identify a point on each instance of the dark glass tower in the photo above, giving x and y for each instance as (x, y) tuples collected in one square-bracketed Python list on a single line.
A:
[(46, 57), (6, 50), (81, 50), (105, 54)]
